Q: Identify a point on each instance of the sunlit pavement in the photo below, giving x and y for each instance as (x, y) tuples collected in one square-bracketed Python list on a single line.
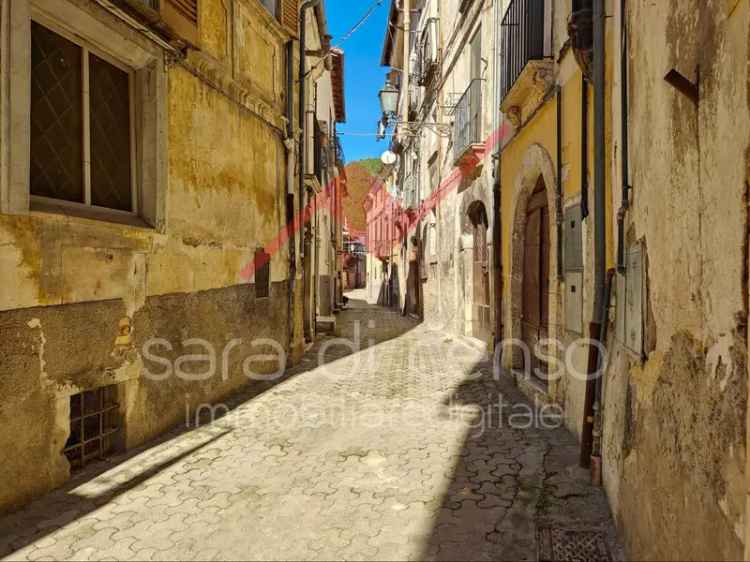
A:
[(381, 453)]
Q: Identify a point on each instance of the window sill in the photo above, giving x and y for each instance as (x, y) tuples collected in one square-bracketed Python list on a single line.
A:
[(90, 213)]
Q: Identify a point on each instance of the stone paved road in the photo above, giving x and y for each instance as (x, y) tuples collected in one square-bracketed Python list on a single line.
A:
[(389, 453)]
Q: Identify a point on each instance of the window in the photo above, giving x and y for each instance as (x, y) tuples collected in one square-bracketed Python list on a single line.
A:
[(81, 150), (94, 424), (270, 5), (84, 119), (432, 166)]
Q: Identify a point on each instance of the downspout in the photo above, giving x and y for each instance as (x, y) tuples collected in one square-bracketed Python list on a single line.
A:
[(497, 235), (600, 231), (302, 72), (596, 472), (624, 115), (497, 238), (584, 147), (289, 144), (559, 188), (596, 450)]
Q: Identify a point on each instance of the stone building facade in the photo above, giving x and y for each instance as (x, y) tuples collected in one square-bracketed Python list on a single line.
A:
[(611, 163), (444, 177), (149, 162)]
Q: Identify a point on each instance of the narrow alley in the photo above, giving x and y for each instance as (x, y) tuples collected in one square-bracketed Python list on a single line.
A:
[(390, 452), (375, 279)]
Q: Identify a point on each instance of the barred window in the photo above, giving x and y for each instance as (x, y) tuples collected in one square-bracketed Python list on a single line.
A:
[(94, 425)]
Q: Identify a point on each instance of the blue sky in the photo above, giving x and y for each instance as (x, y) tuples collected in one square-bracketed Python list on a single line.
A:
[(363, 74)]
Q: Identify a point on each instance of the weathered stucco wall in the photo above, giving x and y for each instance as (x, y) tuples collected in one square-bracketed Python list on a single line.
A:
[(80, 298), (675, 432)]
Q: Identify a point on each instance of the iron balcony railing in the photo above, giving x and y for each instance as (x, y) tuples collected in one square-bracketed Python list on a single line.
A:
[(522, 34), (467, 126)]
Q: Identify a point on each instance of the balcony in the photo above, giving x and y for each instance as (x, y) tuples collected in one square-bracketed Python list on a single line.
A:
[(525, 70), (467, 126)]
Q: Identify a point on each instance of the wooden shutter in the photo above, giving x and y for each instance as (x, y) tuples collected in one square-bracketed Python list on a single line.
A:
[(182, 19), (289, 15)]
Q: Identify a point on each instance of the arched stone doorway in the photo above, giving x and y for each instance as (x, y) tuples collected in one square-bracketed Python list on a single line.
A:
[(534, 293), (481, 316), (536, 282)]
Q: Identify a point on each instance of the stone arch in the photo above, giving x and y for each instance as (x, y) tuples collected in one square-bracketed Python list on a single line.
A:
[(537, 167)]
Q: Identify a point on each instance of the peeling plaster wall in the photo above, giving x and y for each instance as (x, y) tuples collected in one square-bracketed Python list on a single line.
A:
[(79, 298), (447, 291), (675, 423)]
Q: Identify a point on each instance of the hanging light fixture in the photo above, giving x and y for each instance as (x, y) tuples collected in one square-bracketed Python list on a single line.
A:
[(388, 99)]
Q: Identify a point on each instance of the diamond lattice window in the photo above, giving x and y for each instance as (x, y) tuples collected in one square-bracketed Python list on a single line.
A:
[(110, 135), (81, 125), (56, 117)]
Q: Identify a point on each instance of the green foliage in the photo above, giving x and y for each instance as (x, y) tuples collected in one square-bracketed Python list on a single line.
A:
[(372, 165)]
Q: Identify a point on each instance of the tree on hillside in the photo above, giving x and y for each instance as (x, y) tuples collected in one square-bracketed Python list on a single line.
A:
[(360, 176)]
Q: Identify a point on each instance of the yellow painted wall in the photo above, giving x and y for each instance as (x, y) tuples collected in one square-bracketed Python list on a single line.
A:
[(68, 283)]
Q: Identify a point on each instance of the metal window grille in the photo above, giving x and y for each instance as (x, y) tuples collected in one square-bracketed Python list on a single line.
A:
[(467, 127), (522, 39), (94, 424)]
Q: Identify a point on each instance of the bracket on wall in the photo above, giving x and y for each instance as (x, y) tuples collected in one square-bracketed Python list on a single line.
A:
[(684, 85)]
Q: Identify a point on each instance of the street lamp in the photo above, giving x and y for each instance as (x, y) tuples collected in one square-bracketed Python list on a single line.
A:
[(388, 99)]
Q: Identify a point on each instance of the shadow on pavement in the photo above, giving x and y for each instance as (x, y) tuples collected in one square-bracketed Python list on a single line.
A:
[(94, 486), (517, 470)]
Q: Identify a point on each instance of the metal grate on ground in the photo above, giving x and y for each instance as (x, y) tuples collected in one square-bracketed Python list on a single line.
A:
[(572, 545)]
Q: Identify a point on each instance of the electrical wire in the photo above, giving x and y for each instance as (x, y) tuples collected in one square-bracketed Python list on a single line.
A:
[(360, 22), (360, 134), (374, 6)]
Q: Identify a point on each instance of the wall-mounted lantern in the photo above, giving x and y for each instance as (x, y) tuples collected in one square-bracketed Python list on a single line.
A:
[(388, 99)]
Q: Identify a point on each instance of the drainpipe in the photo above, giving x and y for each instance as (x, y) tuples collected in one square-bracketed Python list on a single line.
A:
[(600, 232), (497, 258), (289, 198), (584, 147), (596, 473), (302, 73), (559, 193), (596, 449), (301, 105), (625, 205)]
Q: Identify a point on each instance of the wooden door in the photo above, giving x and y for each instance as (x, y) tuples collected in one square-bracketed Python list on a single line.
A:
[(535, 313)]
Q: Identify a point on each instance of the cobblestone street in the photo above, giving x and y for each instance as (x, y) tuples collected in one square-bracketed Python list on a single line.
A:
[(391, 452)]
